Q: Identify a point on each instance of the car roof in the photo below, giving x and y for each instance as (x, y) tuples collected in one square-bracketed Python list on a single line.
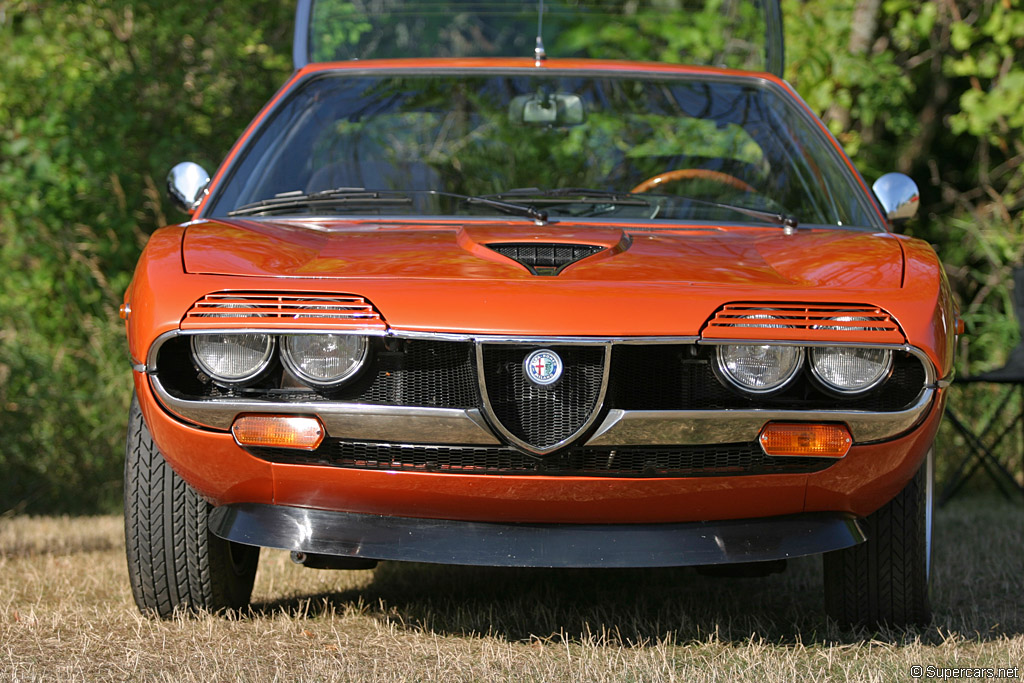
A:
[(736, 34)]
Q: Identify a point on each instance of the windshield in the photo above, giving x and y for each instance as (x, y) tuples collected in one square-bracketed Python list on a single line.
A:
[(657, 148)]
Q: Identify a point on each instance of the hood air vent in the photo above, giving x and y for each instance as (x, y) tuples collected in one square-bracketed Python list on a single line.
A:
[(546, 259)]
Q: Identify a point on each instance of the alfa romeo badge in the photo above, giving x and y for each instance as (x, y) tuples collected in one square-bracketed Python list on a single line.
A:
[(543, 367)]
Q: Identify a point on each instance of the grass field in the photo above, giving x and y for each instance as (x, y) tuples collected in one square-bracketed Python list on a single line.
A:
[(66, 613)]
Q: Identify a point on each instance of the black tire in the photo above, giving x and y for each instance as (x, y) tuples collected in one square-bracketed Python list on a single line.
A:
[(885, 580), (174, 562)]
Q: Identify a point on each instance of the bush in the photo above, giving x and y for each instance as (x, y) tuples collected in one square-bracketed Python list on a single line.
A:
[(97, 102), (100, 98)]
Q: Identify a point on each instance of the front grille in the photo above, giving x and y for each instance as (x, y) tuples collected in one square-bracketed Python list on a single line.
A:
[(443, 374), (421, 373), (546, 259), (543, 416), (650, 462)]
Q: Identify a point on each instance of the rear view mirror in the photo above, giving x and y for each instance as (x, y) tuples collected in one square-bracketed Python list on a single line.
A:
[(187, 184), (544, 109), (898, 195)]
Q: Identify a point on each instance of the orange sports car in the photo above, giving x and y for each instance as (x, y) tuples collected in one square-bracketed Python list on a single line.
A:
[(462, 293)]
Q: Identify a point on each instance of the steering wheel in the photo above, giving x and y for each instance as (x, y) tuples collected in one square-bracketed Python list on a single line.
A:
[(692, 174)]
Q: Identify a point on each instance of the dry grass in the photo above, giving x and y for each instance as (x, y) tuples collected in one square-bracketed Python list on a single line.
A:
[(66, 613)]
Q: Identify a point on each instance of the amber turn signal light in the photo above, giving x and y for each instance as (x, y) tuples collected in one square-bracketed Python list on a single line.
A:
[(824, 440), (278, 431)]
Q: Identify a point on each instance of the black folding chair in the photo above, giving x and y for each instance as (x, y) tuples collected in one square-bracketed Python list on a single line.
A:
[(984, 441)]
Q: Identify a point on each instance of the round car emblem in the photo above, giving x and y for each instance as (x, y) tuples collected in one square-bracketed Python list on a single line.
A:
[(543, 367)]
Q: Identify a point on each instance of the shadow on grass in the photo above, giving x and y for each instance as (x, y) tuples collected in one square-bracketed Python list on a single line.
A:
[(977, 583)]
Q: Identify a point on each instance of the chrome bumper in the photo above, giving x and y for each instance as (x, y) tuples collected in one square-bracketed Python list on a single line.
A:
[(452, 426)]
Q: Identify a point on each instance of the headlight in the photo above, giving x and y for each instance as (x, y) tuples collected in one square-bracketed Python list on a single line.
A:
[(850, 370), (324, 360), (759, 369), (233, 358)]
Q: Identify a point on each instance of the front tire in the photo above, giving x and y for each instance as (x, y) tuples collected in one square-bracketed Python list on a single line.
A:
[(174, 562), (885, 580)]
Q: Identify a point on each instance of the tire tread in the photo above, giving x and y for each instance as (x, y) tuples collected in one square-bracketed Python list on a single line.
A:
[(884, 581), (174, 562)]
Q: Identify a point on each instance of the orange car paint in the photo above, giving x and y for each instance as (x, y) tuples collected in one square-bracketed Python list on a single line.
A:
[(859, 483), (664, 282)]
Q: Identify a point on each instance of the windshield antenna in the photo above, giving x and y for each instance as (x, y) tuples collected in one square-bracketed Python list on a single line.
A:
[(538, 52)]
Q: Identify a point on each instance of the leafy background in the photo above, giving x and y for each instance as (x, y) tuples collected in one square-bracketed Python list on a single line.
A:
[(99, 98)]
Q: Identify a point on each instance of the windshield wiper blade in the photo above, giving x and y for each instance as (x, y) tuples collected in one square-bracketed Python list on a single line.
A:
[(358, 196), (563, 194), (524, 210), (574, 194), (781, 219), (342, 196)]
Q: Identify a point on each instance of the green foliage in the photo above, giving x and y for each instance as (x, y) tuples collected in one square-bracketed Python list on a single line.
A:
[(936, 90), (99, 98), (97, 101)]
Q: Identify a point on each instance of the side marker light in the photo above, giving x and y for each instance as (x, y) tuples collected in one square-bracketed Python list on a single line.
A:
[(278, 431), (794, 439)]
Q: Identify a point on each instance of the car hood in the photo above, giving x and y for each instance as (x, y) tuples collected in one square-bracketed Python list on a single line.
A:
[(706, 256)]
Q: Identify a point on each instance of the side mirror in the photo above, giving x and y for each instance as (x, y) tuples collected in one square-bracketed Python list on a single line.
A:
[(542, 109), (187, 184), (899, 196)]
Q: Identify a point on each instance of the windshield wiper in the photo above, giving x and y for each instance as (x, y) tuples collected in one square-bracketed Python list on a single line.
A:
[(780, 219), (342, 196), (577, 194), (358, 196), (573, 195), (526, 211)]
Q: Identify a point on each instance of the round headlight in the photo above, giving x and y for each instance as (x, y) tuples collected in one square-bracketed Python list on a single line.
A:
[(759, 368), (324, 360), (850, 370), (233, 358)]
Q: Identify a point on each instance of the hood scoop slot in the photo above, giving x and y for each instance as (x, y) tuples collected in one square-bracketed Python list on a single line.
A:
[(545, 259)]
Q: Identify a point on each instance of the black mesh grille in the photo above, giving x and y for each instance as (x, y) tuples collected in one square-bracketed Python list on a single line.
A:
[(404, 373), (671, 461), (443, 374), (543, 416), (546, 259), (679, 377), (422, 373)]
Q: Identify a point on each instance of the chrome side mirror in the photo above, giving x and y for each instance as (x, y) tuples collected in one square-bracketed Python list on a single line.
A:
[(187, 184), (899, 196)]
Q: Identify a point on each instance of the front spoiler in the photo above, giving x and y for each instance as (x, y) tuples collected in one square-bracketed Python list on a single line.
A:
[(376, 537)]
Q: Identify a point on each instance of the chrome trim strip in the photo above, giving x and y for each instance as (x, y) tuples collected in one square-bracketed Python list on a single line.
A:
[(931, 375), (406, 424), (692, 427), (516, 441), (358, 421), (541, 341), (412, 334)]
